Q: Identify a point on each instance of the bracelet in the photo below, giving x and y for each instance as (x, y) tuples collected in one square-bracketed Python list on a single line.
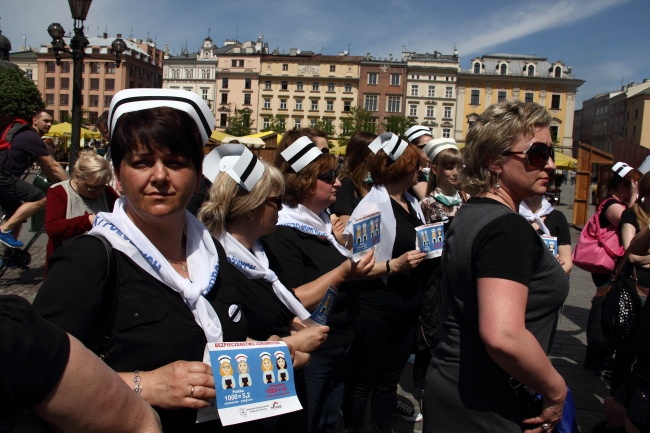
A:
[(388, 266), (136, 380)]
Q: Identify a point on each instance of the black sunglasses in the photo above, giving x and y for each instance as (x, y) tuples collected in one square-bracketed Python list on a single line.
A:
[(537, 154), (277, 200), (329, 177)]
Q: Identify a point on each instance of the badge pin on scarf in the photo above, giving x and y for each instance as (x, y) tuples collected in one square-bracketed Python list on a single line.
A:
[(237, 161)]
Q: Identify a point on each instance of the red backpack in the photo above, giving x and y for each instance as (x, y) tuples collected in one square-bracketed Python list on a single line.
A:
[(10, 132)]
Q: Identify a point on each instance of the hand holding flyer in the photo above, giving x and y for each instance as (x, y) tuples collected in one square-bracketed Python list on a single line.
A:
[(551, 243), (430, 239), (365, 233)]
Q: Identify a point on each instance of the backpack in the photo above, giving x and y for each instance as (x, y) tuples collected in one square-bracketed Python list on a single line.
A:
[(10, 132)]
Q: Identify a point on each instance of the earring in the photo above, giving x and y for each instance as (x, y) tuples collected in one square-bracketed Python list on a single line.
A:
[(497, 185)]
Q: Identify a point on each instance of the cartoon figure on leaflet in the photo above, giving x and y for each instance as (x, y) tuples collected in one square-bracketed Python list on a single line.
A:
[(281, 363), (372, 228), (377, 227), (424, 236), (439, 235), (326, 305), (267, 368), (365, 232), (242, 367), (551, 246), (225, 369), (358, 234)]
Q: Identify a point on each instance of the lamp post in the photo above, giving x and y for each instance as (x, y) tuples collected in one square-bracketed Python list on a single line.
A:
[(77, 50)]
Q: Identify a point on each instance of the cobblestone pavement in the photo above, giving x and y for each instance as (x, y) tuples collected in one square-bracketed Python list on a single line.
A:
[(567, 354)]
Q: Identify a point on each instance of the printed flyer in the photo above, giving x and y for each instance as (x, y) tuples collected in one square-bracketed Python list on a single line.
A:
[(430, 239), (366, 235), (322, 313), (551, 243), (253, 380)]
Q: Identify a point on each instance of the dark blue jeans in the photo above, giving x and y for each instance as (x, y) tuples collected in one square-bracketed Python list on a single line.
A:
[(325, 379)]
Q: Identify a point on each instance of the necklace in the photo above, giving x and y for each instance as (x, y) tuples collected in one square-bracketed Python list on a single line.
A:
[(179, 262)]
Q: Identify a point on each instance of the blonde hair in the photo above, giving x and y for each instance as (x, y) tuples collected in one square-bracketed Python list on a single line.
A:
[(492, 135), (227, 200), (92, 168)]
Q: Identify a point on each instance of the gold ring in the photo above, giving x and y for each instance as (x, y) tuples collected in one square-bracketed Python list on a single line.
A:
[(192, 392), (545, 427)]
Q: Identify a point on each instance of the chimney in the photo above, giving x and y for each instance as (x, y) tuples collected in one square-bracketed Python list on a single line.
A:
[(293, 51), (105, 35)]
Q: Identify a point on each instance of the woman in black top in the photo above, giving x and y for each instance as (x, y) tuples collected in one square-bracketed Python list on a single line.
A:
[(174, 293)]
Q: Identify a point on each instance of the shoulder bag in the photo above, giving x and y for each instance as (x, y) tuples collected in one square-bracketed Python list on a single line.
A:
[(598, 249)]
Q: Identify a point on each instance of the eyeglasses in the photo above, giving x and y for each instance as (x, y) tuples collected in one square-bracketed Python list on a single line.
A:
[(537, 154), (277, 200), (94, 188), (329, 177)]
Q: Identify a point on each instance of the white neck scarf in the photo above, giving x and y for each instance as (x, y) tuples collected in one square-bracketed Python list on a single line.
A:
[(255, 265), (545, 209), (306, 221), (202, 262), (378, 200)]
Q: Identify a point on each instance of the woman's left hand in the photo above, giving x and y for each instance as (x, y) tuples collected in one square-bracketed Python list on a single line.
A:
[(179, 384), (550, 416), (351, 270), (409, 260)]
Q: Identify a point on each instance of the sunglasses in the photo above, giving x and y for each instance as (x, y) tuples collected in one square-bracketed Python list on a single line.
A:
[(329, 177), (277, 200), (94, 188), (537, 154)]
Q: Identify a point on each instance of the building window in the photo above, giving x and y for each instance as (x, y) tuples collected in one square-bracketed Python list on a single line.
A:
[(297, 123), (107, 100), (29, 73), (283, 104), (224, 83), (49, 98), (267, 85), (64, 99), (474, 98), (413, 110), (237, 63), (312, 122), (431, 93), (555, 102), (224, 98), (415, 90), (332, 68), (285, 66), (110, 68), (394, 104), (446, 132), (553, 129), (265, 122), (50, 67), (449, 92), (330, 87), (65, 68), (109, 84), (314, 105), (395, 79), (223, 120), (204, 93), (94, 101), (94, 84), (282, 123), (447, 114), (284, 85), (247, 83), (49, 82), (477, 68), (370, 102), (267, 103), (298, 104), (501, 96), (329, 105), (503, 69), (558, 72), (205, 74), (431, 111), (347, 105), (189, 73), (176, 73), (315, 86), (247, 99), (531, 71), (348, 88), (372, 78), (299, 86), (94, 67)]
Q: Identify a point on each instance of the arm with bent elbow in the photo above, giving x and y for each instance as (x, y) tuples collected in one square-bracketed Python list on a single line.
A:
[(52, 169)]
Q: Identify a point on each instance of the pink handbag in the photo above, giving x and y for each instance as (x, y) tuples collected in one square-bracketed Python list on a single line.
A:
[(598, 249)]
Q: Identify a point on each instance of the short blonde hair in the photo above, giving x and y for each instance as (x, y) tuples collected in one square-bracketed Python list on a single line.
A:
[(227, 200), (92, 168), (492, 135)]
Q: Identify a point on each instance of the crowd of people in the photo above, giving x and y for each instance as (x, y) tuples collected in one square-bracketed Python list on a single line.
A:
[(263, 243)]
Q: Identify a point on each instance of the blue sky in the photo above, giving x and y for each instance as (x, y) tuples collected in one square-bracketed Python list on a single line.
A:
[(605, 41)]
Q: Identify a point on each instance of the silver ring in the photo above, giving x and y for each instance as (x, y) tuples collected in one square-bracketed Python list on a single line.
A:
[(192, 395), (545, 427)]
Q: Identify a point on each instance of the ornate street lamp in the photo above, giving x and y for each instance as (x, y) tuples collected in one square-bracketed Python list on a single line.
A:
[(77, 50)]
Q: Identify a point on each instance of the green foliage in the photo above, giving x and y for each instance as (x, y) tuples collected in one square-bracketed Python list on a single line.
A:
[(277, 124), (398, 124), (19, 96), (239, 124), (355, 120)]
